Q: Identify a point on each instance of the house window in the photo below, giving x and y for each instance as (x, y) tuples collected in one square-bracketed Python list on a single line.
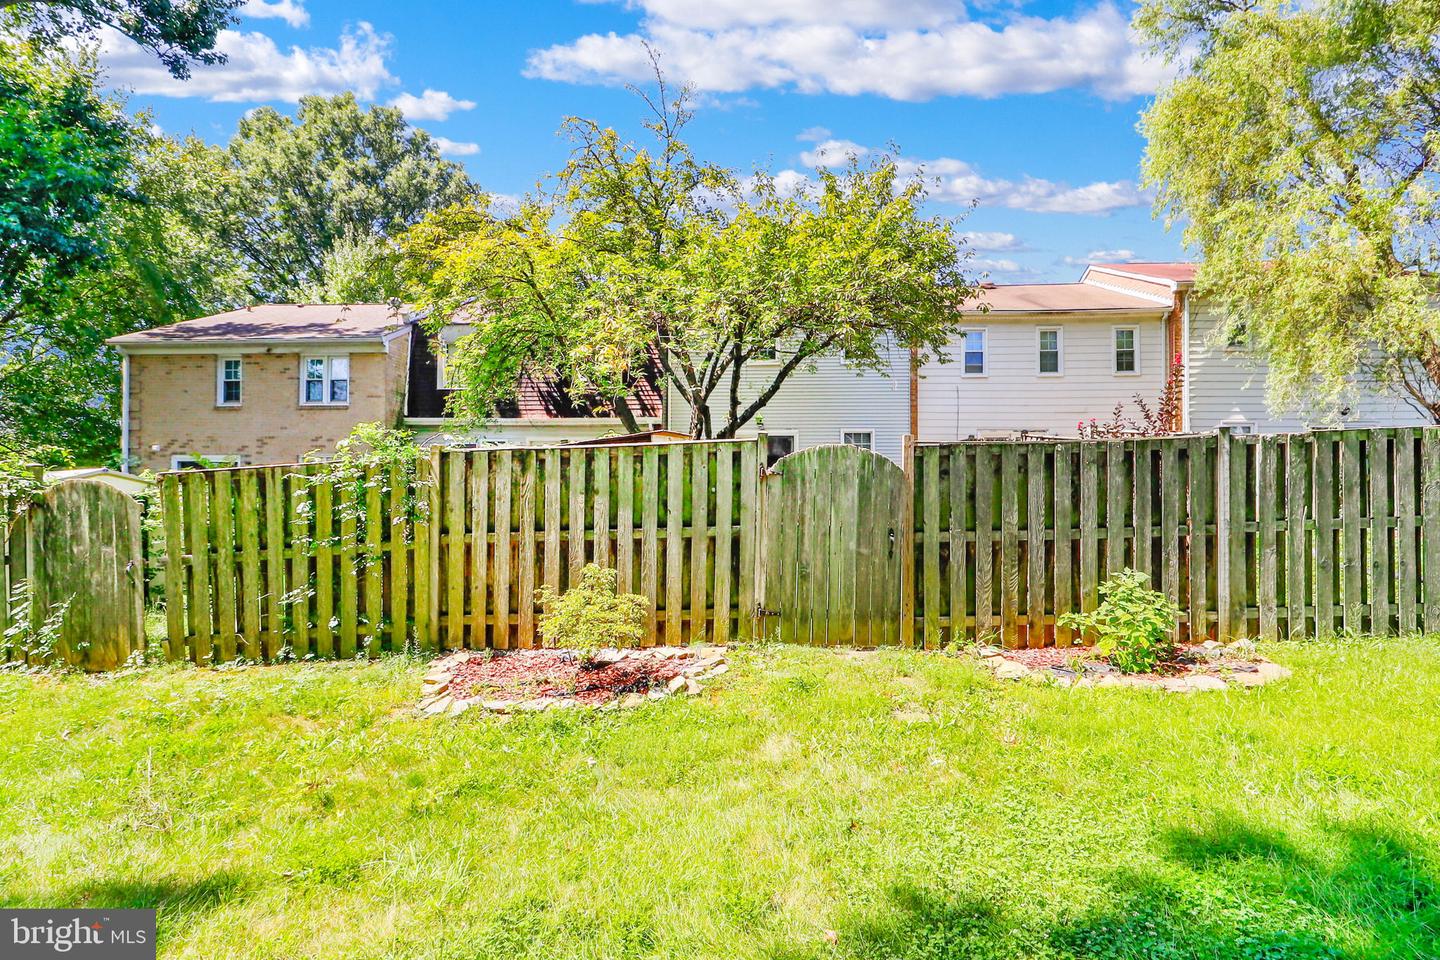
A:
[(778, 445), (442, 365), (1048, 342), (973, 362), (229, 372), (1127, 350), (864, 439), (325, 381), (199, 461)]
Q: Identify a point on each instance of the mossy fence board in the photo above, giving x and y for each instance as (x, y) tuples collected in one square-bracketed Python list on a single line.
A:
[(1275, 535)]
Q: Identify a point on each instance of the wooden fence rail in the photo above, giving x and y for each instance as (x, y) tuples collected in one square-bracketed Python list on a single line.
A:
[(1271, 536)]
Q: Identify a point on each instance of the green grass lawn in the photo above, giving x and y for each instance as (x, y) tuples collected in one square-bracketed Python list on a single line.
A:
[(810, 804)]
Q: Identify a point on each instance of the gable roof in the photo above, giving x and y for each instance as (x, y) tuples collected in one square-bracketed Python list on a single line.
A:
[(1176, 272), (276, 323), (1058, 298)]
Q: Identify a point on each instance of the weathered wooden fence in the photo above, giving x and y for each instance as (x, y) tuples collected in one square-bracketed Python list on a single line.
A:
[(1272, 535), (264, 559), (1289, 535)]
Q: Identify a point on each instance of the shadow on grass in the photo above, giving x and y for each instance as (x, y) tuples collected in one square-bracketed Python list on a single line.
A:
[(1228, 890), (171, 896)]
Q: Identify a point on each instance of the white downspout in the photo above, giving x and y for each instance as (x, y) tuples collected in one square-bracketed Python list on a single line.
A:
[(124, 413), (1185, 358)]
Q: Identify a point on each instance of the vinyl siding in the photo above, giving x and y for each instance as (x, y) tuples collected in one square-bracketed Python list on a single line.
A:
[(1012, 395), (819, 404), (1227, 387)]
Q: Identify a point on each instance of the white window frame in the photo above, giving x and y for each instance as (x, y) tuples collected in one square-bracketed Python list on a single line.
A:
[(327, 359), (220, 381), (178, 461), (442, 363), (1115, 350), (984, 351), (865, 430), (773, 360), (794, 443), (1059, 370)]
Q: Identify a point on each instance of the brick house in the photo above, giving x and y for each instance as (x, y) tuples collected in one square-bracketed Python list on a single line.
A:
[(274, 382), (264, 384)]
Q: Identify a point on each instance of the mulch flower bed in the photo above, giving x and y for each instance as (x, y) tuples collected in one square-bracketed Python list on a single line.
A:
[(505, 681), (1206, 666)]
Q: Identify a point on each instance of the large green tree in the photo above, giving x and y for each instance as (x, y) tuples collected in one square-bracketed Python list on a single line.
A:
[(64, 150), (645, 255), (162, 261), (178, 33), (333, 176), (1300, 147)]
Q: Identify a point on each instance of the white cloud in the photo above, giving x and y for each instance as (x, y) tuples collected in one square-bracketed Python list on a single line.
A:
[(813, 134), (992, 241), (456, 148), (430, 105), (257, 70), (292, 12), (1101, 256), (722, 14), (995, 266), (956, 181), (902, 51)]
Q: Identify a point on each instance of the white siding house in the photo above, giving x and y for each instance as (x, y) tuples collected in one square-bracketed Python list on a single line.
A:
[(1025, 358), (1224, 384), (1043, 358), (823, 404), (1227, 388)]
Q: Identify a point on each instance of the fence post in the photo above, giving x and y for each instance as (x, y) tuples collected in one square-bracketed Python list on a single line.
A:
[(1224, 608), (752, 602), (907, 546)]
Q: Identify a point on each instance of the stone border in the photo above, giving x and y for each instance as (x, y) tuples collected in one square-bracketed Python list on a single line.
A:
[(1233, 665), (435, 697)]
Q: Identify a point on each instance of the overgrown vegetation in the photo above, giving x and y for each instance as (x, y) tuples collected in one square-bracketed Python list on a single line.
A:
[(592, 614), (809, 806), (1133, 625)]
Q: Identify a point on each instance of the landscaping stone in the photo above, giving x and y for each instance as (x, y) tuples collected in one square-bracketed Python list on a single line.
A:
[(1208, 666)]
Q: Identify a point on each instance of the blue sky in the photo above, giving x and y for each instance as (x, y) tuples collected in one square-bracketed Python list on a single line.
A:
[(1028, 107)]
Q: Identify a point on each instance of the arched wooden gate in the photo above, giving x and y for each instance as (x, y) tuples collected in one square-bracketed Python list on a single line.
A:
[(834, 547)]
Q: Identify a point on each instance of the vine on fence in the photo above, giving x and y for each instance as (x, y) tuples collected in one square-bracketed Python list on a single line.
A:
[(371, 458)]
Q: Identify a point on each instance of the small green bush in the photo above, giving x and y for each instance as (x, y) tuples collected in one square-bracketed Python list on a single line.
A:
[(592, 614), (1133, 624)]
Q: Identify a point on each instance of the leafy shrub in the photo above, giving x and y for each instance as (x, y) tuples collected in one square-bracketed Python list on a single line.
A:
[(1132, 625), (592, 614)]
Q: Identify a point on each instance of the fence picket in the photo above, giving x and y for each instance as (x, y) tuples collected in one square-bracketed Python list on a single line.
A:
[(1035, 560), (959, 540)]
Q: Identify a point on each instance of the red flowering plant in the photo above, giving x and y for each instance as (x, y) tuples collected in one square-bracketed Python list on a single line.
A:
[(1149, 421)]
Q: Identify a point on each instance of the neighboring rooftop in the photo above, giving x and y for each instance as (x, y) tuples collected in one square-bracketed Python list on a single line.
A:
[(277, 322), (1177, 272), (1058, 298)]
